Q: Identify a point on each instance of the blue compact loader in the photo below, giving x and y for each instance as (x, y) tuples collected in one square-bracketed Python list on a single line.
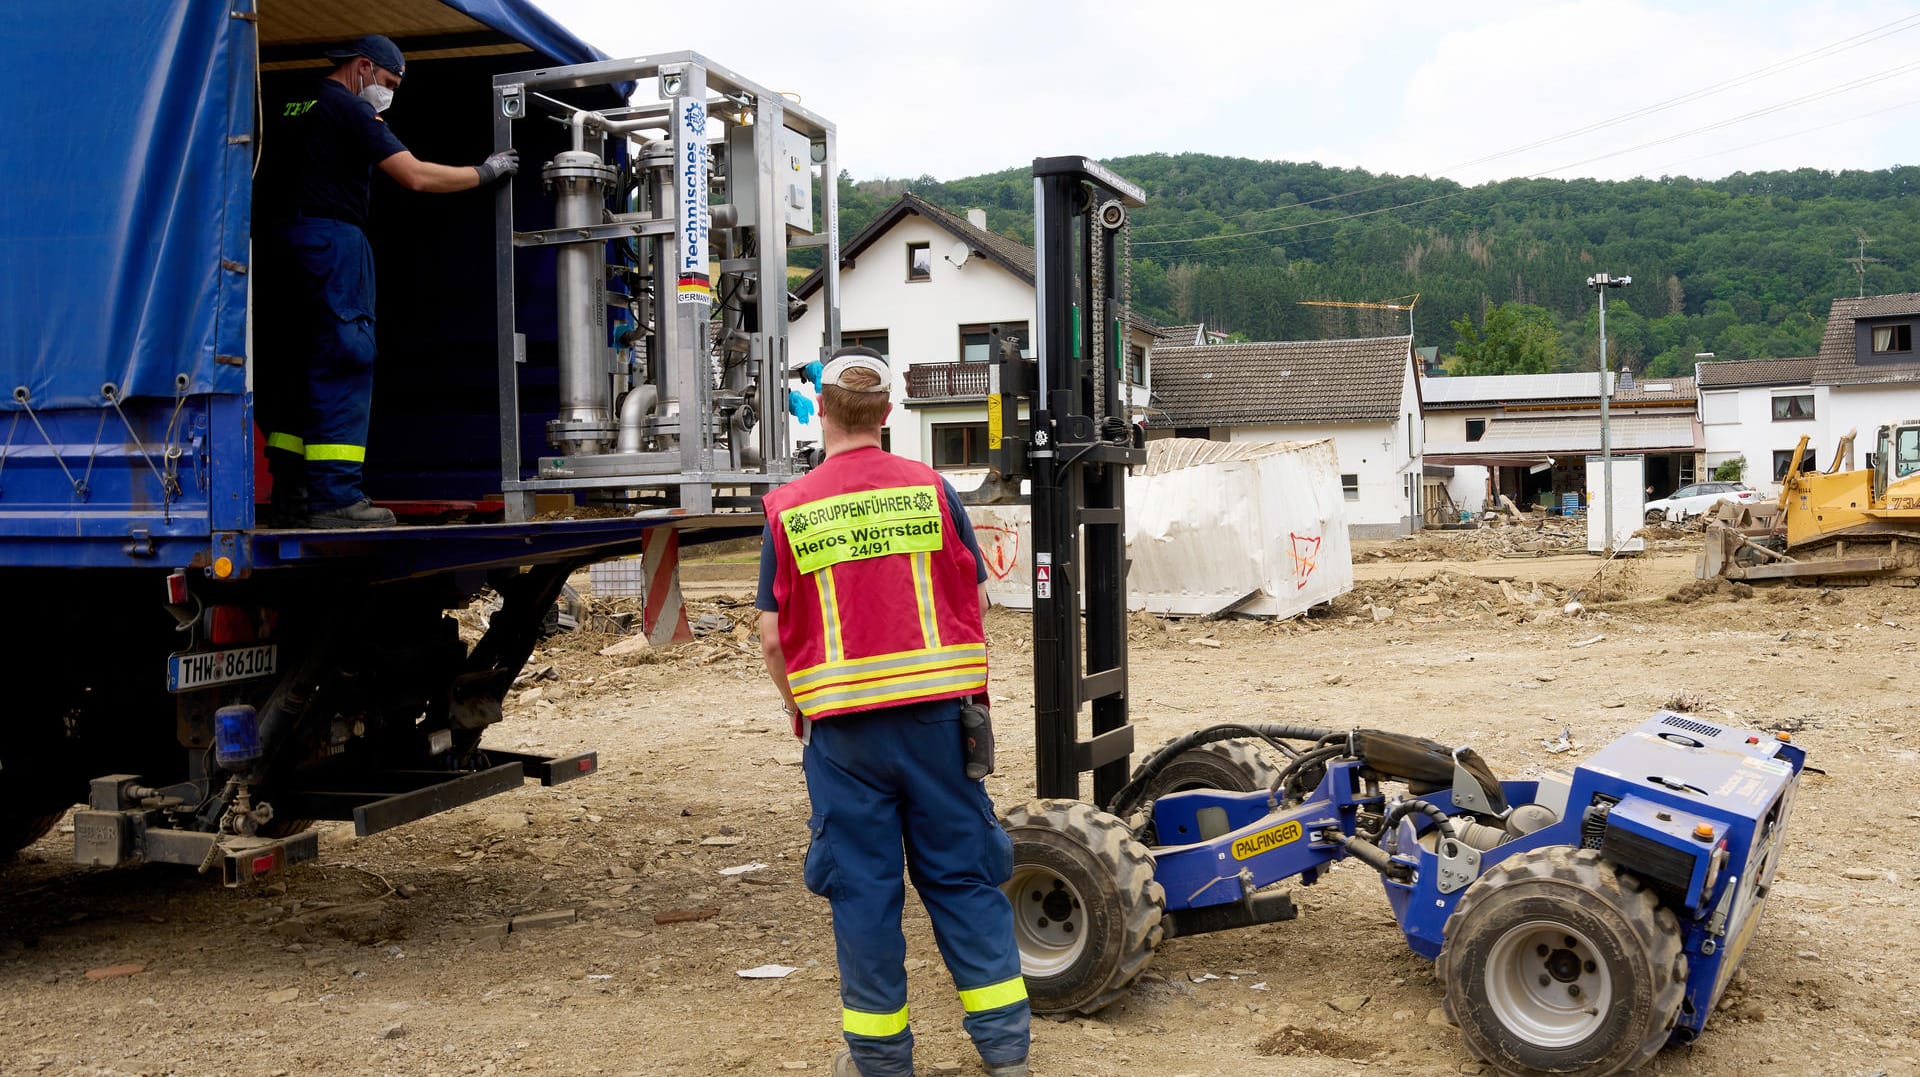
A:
[(1580, 922)]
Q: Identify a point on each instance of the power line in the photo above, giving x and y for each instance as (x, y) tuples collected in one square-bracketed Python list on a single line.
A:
[(1830, 91), (1824, 52), (1303, 224), (1845, 44), (1818, 95), (1793, 134)]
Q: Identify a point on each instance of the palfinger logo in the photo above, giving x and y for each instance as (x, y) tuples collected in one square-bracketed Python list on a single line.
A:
[(1271, 838)]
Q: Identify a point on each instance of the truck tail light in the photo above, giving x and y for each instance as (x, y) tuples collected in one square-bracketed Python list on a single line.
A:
[(230, 624), (177, 589)]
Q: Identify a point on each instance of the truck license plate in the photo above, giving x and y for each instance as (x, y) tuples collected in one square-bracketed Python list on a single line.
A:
[(189, 671)]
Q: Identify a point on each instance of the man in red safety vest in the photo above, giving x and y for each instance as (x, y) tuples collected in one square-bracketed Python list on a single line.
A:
[(871, 602)]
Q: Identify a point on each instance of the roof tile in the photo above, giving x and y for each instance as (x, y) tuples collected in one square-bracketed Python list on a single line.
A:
[(1296, 381), (1732, 373)]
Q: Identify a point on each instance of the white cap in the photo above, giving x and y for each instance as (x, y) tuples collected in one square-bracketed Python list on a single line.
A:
[(861, 358)]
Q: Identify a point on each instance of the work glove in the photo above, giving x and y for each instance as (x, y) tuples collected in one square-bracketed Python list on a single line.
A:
[(500, 165), (813, 371), (800, 406)]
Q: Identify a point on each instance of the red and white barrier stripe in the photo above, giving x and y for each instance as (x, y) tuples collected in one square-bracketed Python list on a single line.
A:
[(664, 618)]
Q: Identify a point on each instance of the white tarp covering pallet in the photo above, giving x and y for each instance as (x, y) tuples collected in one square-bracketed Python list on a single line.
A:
[(1257, 526)]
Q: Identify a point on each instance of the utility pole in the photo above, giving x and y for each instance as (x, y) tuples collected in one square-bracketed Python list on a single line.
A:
[(1859, 264), (1600, 282)]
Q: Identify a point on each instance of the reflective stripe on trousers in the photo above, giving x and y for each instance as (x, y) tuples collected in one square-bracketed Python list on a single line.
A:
[(889, 793), (315, 383)]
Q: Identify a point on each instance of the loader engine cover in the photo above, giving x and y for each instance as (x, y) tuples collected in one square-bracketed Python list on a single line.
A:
[(1698, 810)]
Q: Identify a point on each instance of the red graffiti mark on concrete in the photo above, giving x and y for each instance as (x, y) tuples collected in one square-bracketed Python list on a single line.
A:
[(1306, 549), (999, 547)]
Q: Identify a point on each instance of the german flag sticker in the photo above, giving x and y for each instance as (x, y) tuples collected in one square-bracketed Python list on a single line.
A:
[(695, 288)]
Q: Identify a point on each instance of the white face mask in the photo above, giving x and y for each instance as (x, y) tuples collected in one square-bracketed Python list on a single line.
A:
[(380, 97)]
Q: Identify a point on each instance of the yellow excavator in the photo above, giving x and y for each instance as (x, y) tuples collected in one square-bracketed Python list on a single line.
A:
[(1834, 523)]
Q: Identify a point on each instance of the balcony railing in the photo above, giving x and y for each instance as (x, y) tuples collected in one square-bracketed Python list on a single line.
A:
[(946, 381)]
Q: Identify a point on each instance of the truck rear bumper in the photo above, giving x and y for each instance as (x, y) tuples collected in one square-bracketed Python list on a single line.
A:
[(116, 839), (110, 836)]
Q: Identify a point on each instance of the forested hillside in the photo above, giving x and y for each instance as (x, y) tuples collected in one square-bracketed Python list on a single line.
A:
[(1744, 267)]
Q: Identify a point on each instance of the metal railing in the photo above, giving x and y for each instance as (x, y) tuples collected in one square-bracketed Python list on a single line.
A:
[(947, 381)]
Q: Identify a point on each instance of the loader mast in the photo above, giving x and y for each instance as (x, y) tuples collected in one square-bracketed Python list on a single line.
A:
[(1077, 458)]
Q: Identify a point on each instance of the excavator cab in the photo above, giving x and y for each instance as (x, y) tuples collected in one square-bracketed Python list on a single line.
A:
[(1897, 456), (1906, 450)]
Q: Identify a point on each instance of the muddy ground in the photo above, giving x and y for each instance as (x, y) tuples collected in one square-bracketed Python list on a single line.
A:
[(394, 955)]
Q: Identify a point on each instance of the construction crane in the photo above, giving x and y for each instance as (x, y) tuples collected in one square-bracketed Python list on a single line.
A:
[(1405, 302)]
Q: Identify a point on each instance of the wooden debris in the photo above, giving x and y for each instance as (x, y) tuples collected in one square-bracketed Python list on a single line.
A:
[(684, 916), (115, 972)]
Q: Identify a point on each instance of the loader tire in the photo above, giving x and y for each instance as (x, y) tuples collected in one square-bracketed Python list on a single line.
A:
[(1609, 954), (1086, 909), (17, 831), (1234, 766)]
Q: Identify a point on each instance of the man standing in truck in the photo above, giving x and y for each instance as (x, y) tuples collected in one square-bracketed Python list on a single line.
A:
[(871, 598), (315, 331)]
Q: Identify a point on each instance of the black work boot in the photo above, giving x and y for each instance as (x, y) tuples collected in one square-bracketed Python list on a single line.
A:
[(362, 513), (288, 506)]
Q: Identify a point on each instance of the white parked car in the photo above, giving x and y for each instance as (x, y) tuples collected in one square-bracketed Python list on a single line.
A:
[(1691, 501)]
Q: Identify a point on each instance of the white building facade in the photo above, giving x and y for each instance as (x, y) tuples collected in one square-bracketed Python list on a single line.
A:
[(1527, 436), (924, 287), (1363, 395), (1755, 411), (1870, 368)]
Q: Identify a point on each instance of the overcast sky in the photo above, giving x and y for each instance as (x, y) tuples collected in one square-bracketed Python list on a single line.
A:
[(953, 90)]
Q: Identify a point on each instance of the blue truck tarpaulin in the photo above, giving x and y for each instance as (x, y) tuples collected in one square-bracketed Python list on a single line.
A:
[(530, 26), (127, 201), (128, 167)]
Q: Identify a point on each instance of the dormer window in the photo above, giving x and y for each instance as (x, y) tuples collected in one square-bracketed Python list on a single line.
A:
[(1884, 339)]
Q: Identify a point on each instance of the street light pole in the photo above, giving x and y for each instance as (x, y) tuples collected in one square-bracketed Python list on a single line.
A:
[(1600, 282)]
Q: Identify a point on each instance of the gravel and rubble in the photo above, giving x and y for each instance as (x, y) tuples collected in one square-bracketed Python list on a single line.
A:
[(1502, 537), (593, 928)]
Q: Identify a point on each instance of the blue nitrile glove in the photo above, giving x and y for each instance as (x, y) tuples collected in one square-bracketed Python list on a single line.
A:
[(814, 370), (800, 406)]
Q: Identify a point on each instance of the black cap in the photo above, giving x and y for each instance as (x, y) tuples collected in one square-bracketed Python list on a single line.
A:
[(376, 47)]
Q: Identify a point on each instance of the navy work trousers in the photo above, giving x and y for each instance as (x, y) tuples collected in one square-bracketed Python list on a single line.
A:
[(892, 781), (315, 344)]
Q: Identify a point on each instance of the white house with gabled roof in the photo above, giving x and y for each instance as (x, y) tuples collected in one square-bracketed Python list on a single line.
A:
[(923, 286)]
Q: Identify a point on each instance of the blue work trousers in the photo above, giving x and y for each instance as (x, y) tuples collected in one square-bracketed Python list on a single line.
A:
[(314, 339), (889, 786)]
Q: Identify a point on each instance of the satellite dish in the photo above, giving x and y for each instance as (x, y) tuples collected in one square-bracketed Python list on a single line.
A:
[(959, 253)]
